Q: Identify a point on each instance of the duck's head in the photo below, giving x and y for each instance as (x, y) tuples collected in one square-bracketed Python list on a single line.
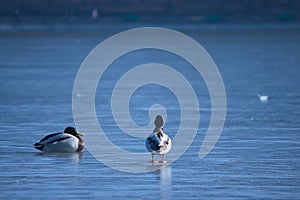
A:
[(158, 122), (73, 131)]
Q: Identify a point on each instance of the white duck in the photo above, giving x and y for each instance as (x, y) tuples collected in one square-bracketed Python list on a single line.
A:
[(158, 143), (68, 141)]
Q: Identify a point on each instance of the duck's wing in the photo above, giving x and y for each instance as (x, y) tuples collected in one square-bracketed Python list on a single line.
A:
[(153, 143), (166, 138), (49, 136), (54, 137)]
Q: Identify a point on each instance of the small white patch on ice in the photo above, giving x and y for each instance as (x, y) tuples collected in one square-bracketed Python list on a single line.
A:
[(263, 98)]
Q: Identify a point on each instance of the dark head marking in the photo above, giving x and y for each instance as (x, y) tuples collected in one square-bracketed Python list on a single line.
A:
[(71, 130), (158, 122)]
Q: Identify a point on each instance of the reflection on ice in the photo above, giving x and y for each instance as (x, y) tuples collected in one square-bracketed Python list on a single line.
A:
[(63, 157), (165, 182)]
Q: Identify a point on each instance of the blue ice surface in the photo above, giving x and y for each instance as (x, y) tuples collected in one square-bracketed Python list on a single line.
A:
[(255, 157)]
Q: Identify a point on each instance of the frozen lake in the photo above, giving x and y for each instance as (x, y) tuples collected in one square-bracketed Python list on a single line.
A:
[(256, 156)]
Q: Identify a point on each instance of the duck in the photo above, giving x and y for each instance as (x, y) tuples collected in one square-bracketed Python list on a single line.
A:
[(158, 142), (68, 141)]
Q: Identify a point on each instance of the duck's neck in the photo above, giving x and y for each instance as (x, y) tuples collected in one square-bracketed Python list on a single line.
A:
[(80, 144)]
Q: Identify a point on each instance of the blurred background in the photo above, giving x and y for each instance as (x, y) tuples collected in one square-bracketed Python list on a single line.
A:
[(254, 43), (196, 11)]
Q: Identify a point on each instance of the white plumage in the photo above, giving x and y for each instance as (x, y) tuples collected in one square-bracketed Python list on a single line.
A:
[(158, 143), (69, 141)]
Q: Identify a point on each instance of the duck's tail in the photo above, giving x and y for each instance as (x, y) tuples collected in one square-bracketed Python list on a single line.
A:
[(39, 146)]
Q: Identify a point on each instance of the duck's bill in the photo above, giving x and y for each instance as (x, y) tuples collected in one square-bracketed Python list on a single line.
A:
[(80, 134)]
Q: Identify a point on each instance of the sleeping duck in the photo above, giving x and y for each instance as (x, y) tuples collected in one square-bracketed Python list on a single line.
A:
[(68, 141), (158, 143)]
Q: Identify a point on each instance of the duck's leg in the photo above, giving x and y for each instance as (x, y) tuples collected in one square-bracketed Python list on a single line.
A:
[(163, 158), (153, 161)]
